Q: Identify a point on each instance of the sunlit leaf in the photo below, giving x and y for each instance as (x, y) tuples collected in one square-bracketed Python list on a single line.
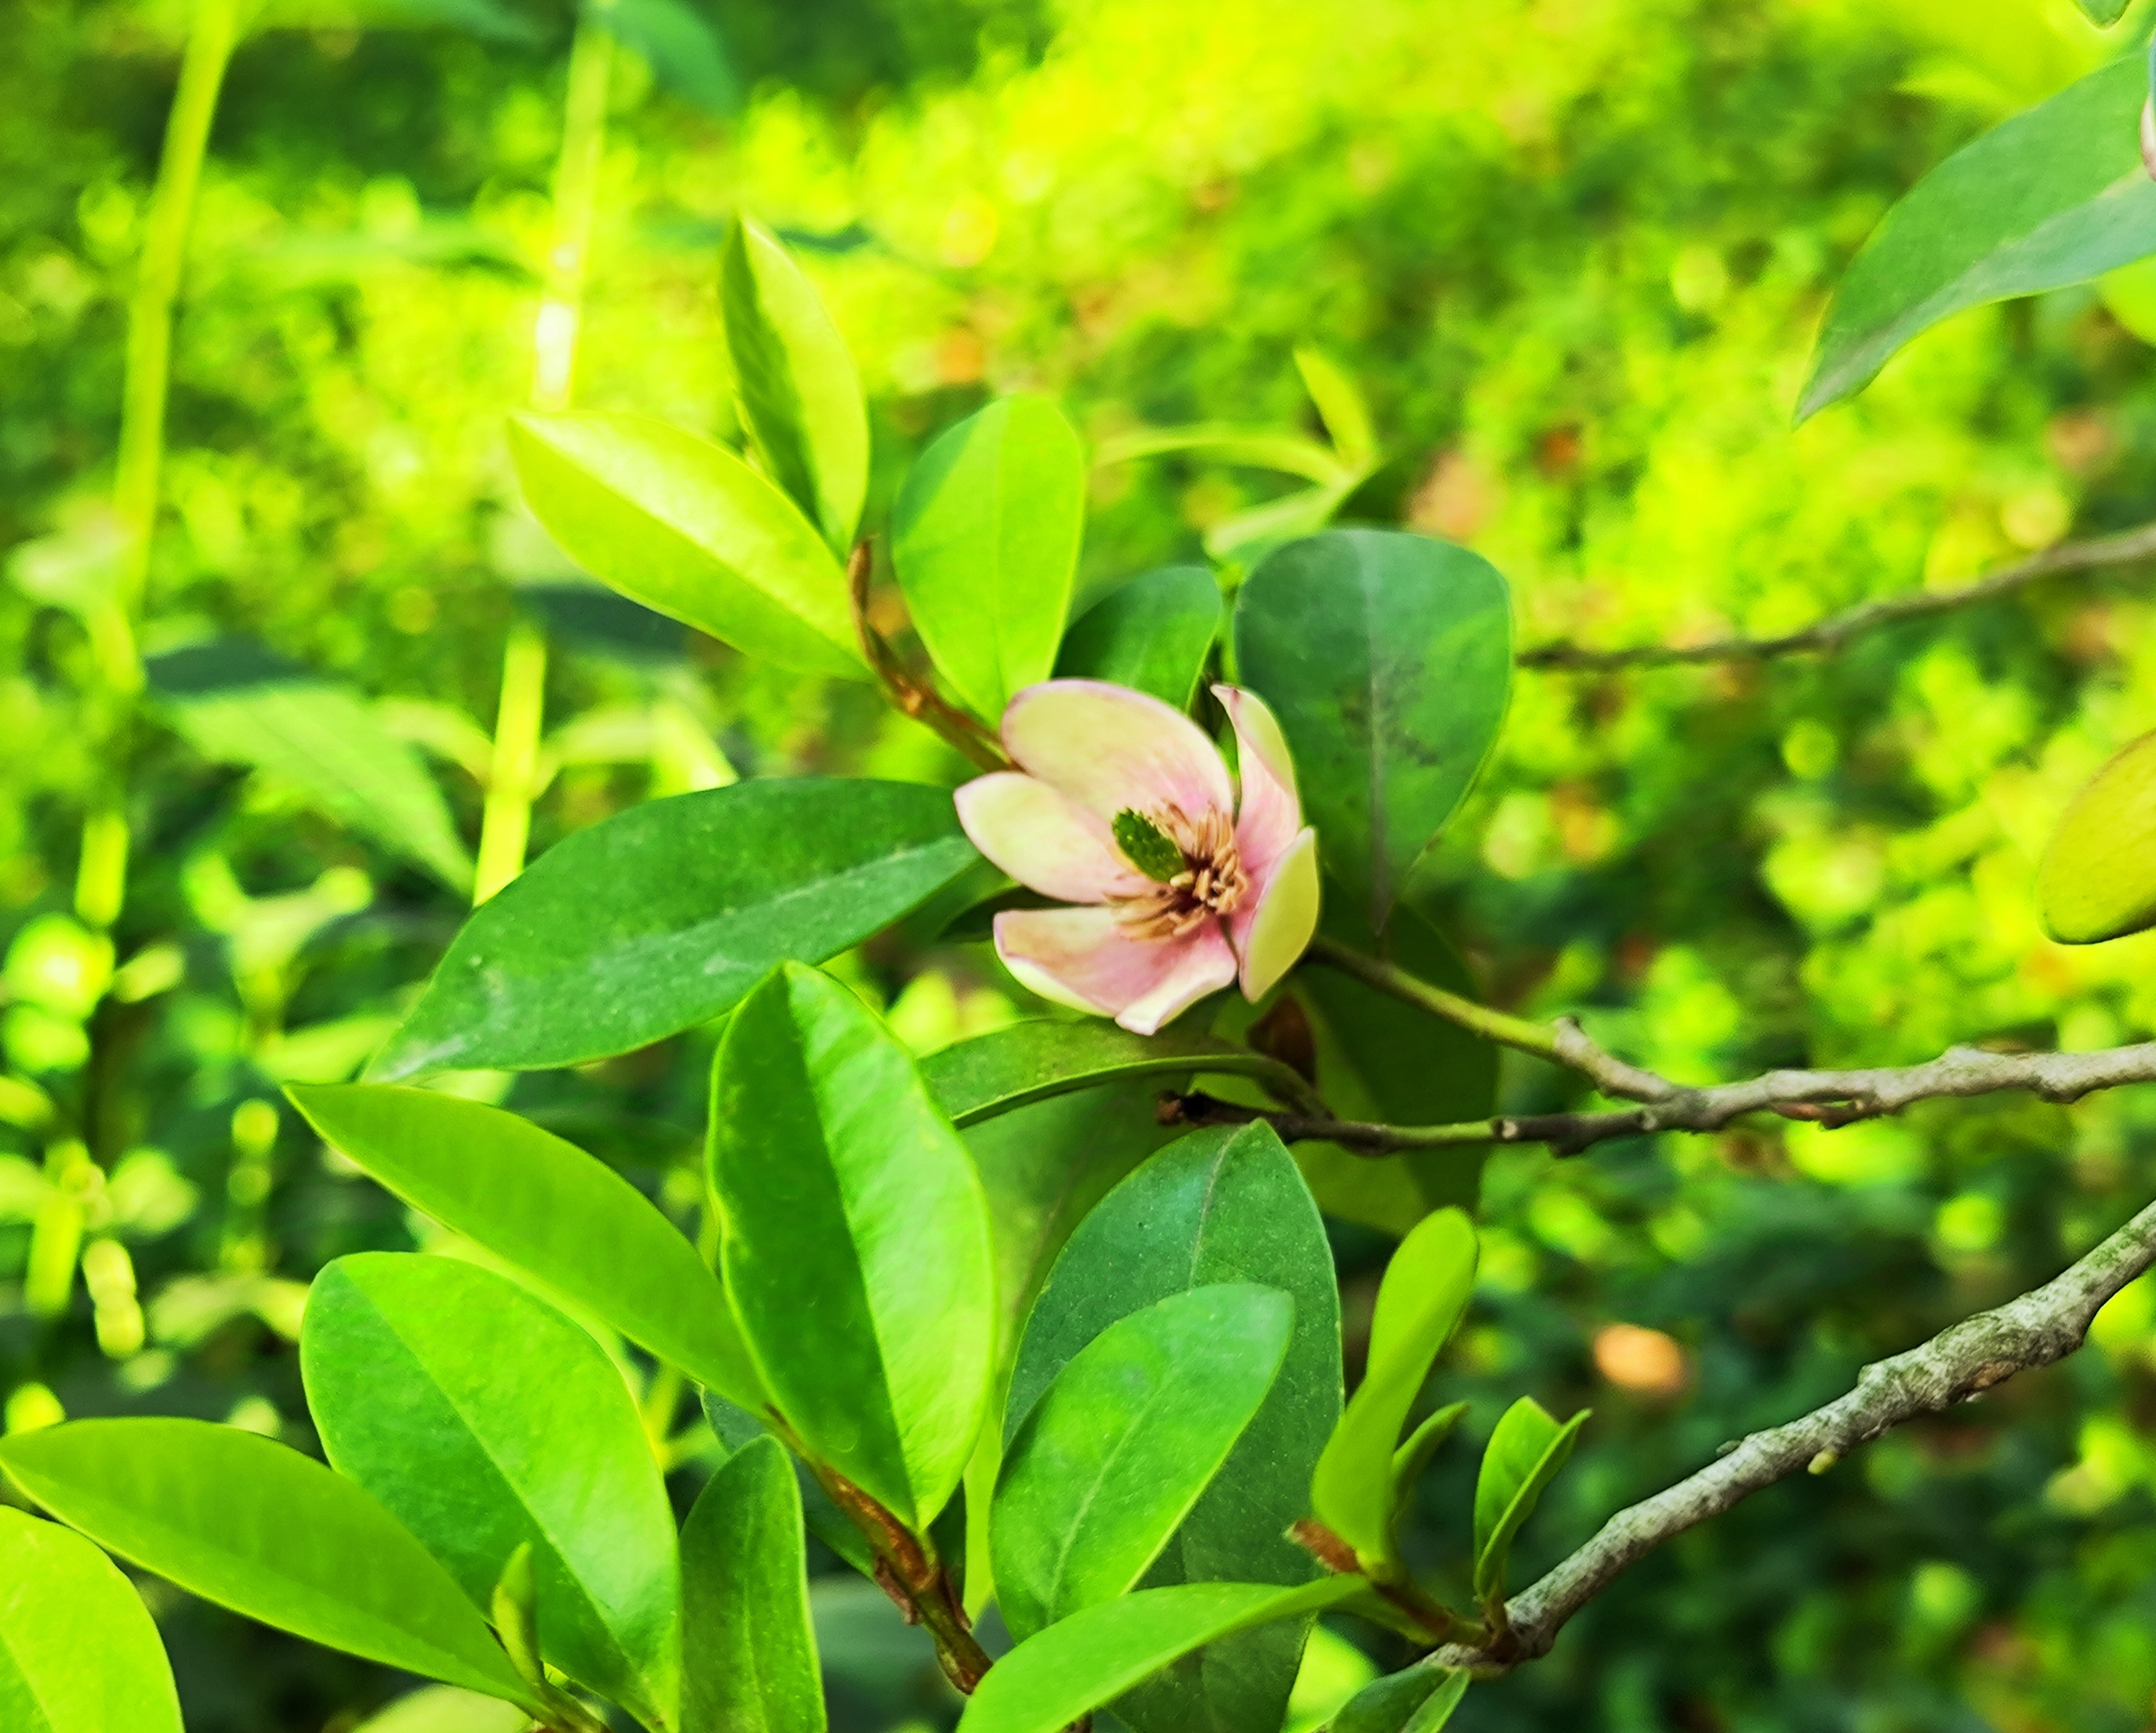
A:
[(2098, 878), (445, 1709), (78, 1651)]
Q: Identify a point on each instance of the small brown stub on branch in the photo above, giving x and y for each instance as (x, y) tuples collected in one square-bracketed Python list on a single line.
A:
[(1328, 1548)]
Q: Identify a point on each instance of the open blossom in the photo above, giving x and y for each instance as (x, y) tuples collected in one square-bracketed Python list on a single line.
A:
[(1123, 806)]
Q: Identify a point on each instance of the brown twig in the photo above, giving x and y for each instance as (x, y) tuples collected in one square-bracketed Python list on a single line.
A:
[(1827, 636), (2038, 1329), (914, 698)]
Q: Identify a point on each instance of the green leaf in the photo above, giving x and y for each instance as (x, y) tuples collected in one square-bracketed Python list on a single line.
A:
[(1094, 1657), (1152, 634), (737, 1429), (1026, 1061), (985, 540), (569, 1222), (2055, 195), (1419, 1303), (1116, 1451), (235, 703), (1254, 448), (445, 1709), (485, 1420), (1342, 407), (1219, 1205), (2103, 13), (856, 1243), (2098, 877), (683, 525), (78, 1651), (261, 1529), (751, 1652), (684, 48), (1387, 657), (1379, 1060), (678, 905), (1523, 1456), (800, 397), (1420, 1701)]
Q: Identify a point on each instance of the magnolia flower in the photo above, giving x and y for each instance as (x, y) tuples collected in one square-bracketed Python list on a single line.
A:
[(1123, 806)]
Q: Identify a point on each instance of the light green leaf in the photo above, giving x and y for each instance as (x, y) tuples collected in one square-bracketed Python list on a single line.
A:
[(78, 1651), (1523, 1456), (683, 525), (850, 1200), (1420, 1701), (985, 540), (1254, 448), (569, 1222), (1026, 1061), (1094, 1657), (679, 905), (1247, 535), (1419, 1303), (2098, 877), (750, 1649), (1386, 658), (235, 703), (445, 1709), (1112, 1457), (484, 1421), (1154, 634), (1220, 1205), (1341, 403), (259, 1528), (800, 395), (2055, 195)]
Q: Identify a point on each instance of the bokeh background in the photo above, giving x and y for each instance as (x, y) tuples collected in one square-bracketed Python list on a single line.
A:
[(1574, 252)]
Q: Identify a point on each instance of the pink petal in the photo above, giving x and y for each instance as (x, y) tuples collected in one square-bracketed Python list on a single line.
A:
[(1276, 922), (1044, 840), (1109, 747), (1271, 812), (1085, 958)]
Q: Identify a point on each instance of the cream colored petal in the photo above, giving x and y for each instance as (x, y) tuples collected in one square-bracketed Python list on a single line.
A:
[(1044, 840), (1109, 747), (1270, 811), (1085, 958), (1275, 927)]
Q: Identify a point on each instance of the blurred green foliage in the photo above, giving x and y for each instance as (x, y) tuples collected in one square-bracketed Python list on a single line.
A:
[(1574, 251)]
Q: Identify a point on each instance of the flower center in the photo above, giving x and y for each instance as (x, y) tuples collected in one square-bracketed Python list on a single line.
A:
[(1197, 871)]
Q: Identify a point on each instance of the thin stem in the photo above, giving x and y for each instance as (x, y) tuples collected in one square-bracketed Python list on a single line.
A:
[(914, 698), (505, 823), (916, 1582)]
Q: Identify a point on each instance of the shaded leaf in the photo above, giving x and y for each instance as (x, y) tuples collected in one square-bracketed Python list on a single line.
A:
[(1420, 1701), (681, 524), (1387, 657), (1523, 1456), (483, 1421), (569, 1222), (1109, 1461), (984, 538), (683, 46), (848, 1199), (79, 1652), (750, 1649), (2054, 196), (235, 703), (678, 905), (1152, 634), (737, 1429), (267, 1532), (2098, 877)]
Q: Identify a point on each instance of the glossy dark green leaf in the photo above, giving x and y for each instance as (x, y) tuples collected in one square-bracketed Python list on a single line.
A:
[(255, 1527), (2098, 877), (750, 1649), (1420, 1701), (683, 525), (1153, 633), (78, 1651), (800, 395), (1092, 1658), (1379, 1060), (677, 906), (1027, 1062), (1387, 657), (682, 44), (855, 1243), (569, 1222), (1220, 1205), (1522, 1458), (985, 540), (236, 703), (1110, 1460), (484, 1420), (2054, 196), (1419, 1303)]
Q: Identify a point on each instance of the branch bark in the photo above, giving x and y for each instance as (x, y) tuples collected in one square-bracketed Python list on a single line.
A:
[(1829, 635), (1832, 1098), (2040, 1327)]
